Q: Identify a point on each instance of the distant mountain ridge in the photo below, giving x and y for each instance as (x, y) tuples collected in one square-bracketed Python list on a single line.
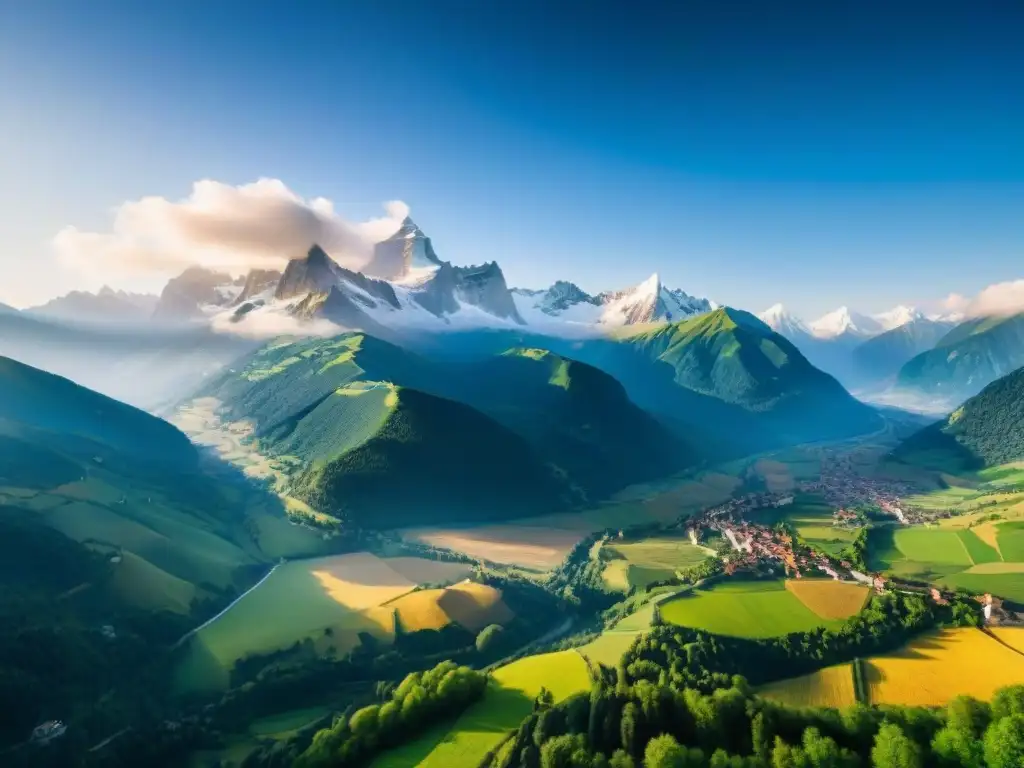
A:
[(106, 305), (967, 358)]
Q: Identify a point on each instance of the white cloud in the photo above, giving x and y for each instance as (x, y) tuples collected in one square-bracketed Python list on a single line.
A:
[(258, 225), (268, 324), (997, 299)]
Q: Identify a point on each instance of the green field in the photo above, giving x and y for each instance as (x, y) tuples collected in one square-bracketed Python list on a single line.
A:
[(754, 609), (811, 518), (978, 550), (509, 698), (955, 556), (613, 643), (639, 563)]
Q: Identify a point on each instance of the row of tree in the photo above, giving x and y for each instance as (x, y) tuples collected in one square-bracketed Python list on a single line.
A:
[(623, 725), (420, 700)]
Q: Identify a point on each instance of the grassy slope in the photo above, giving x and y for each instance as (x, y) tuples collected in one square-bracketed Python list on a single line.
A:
[(967, 358)]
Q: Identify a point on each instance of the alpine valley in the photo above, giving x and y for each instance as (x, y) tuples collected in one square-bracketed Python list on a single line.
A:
[(396, 512)]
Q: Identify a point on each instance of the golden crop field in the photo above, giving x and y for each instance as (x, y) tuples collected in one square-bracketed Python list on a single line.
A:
[(1012, 636), (472, 605), (828, 598), (828, 687), (942, 665)]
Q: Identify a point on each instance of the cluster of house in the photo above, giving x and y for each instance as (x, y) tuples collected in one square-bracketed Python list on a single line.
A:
[(842, 486)]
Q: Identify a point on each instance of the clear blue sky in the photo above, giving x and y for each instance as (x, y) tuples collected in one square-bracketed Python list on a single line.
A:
[(815, 153)]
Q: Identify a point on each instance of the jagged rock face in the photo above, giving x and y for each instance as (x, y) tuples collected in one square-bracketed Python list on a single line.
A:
[(563, 295), (184, 296), (313, 274), (400, 254), (485, 287), (438, 294), (257, 282)]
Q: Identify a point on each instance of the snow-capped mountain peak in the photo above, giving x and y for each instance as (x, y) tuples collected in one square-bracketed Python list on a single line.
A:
[(406, 256), (896, 317), (782, 321), (843, 321)]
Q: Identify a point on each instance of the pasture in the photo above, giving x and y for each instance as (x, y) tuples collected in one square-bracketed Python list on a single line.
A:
[(328, 601), (939, 666), (609, 647), (828, 687), (753, 609), (508, 699), (641, 562)]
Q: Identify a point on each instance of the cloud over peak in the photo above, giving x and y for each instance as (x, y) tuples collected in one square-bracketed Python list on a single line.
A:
[(231, 228), (1005, 298)]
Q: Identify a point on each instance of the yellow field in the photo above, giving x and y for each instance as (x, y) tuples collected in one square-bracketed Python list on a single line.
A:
[(829, 687), (1012, 636), (469, 604), (524, 545), (828, 598), (940, 666), (359, 580)]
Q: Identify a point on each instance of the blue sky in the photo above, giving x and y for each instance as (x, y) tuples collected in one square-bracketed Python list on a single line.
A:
[(816, 154)]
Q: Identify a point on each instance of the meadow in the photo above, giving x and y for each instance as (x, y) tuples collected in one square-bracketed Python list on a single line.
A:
[(464, 742), (328, 601), (828, 687), (639, 563), (612, 643), (754, 609)]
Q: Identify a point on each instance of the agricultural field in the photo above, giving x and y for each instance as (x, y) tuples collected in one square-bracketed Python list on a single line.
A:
[(754, 609), (936, 667), (509, 698), (828, 687), (472, 605), (328, 601), (811, 518), (828, 598), (1011, 636), (639, 563), (613, 643), (972, 552), (540, 543)]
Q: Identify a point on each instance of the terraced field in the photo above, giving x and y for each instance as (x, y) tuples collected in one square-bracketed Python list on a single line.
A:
[(509, 698), (754, 609), (326, 600), (828, 687)]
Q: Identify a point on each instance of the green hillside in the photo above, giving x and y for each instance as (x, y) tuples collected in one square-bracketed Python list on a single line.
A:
[(34, 398), (733, 358), (967, 358), (576, 415), (114, 541), (987, 430), (372, 442), (881, 357)]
